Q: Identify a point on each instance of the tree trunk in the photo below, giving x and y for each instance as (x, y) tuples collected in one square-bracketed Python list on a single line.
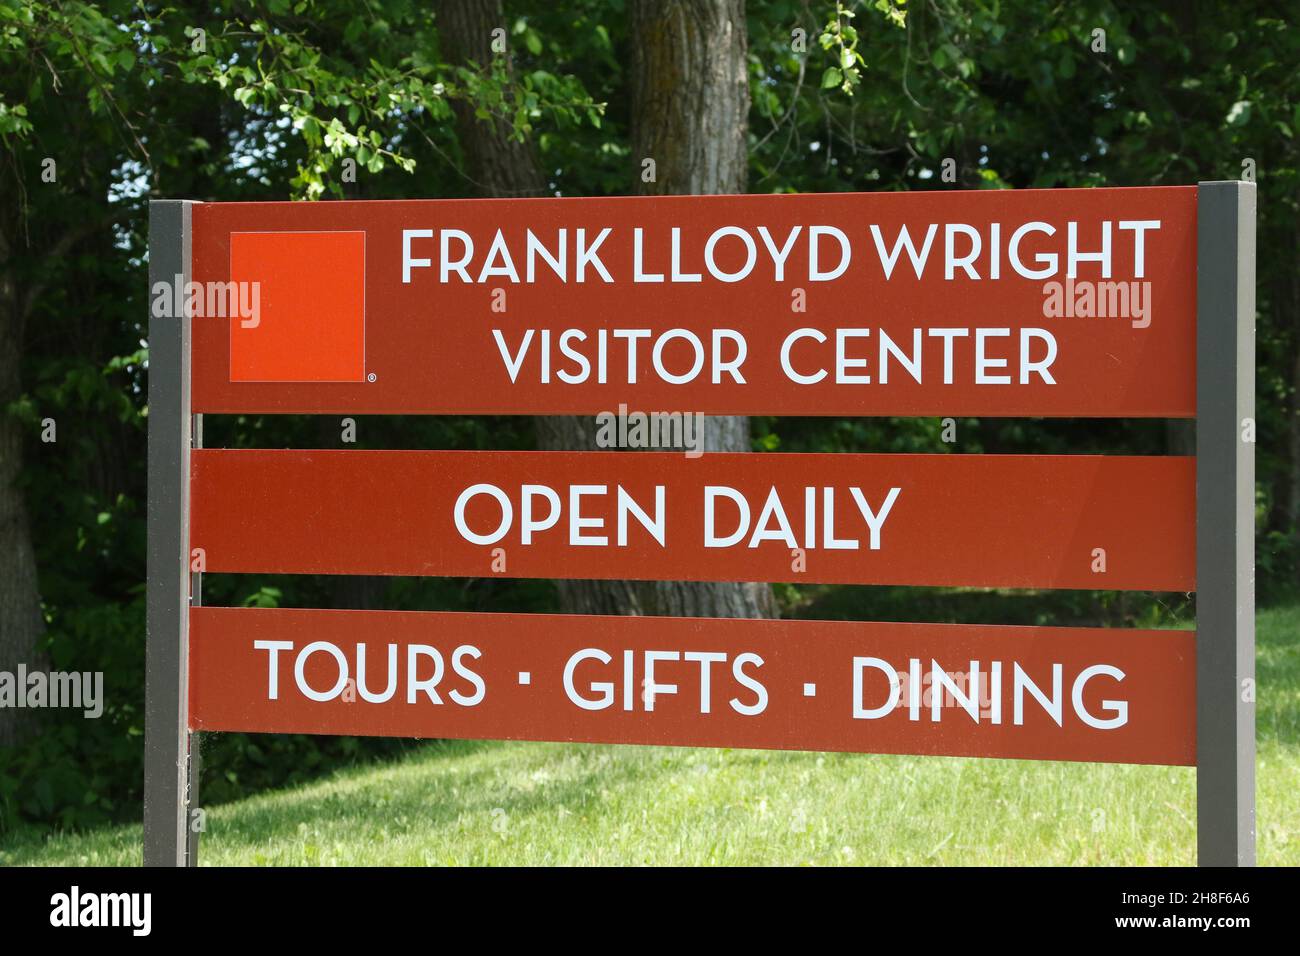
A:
[(1283, 482), (498, 164), (1286, 310), (676, 598), (21, 621), (690, 95), (690, 106), (1292, 478)]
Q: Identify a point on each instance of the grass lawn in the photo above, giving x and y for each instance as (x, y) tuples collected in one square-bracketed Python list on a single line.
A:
[(528, 803)]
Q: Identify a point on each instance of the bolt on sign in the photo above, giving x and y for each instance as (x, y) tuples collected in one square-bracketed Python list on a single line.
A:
[(1070, 303)]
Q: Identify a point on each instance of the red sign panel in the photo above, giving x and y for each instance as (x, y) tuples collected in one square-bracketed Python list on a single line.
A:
[(1013, 303), (1073, 302), (982, 520), (959, 690)]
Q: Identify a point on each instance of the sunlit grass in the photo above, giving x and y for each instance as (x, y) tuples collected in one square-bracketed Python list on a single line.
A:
[(526, 803)]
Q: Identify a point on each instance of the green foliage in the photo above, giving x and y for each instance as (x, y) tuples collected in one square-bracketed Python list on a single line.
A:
[(348, 83), (840, 38), (80, 772)]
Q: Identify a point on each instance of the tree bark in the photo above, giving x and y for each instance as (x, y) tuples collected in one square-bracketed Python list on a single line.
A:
[(1283, 304), (690, 106), (690, 95), (1286, 310), (21, 621), (498, 164)]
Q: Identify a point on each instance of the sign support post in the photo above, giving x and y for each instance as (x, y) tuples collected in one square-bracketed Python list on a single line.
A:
[(1225, 523), (167, 771)]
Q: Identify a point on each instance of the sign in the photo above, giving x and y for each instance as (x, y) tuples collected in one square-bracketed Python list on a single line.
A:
[(1082, 303), (1074, 302), (1048, 693), (1028, 521)]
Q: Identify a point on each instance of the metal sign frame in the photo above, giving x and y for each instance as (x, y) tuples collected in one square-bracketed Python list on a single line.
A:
[(1225, 560), (1225, 524)]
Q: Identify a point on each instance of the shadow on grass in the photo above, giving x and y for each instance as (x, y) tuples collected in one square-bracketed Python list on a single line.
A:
[(1277, 673), (416, 794)]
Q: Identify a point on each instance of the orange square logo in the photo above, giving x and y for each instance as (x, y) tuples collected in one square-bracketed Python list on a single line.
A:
[(310, 318)]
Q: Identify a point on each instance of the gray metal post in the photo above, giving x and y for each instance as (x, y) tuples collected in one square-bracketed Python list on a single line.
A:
[(1225, 524), (166, 735), (196, 739)]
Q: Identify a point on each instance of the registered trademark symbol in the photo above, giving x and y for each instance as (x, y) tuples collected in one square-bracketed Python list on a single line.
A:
[(371, 377)]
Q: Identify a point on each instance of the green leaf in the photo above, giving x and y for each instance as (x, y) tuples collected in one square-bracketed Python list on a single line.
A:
[(1239, 115)]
